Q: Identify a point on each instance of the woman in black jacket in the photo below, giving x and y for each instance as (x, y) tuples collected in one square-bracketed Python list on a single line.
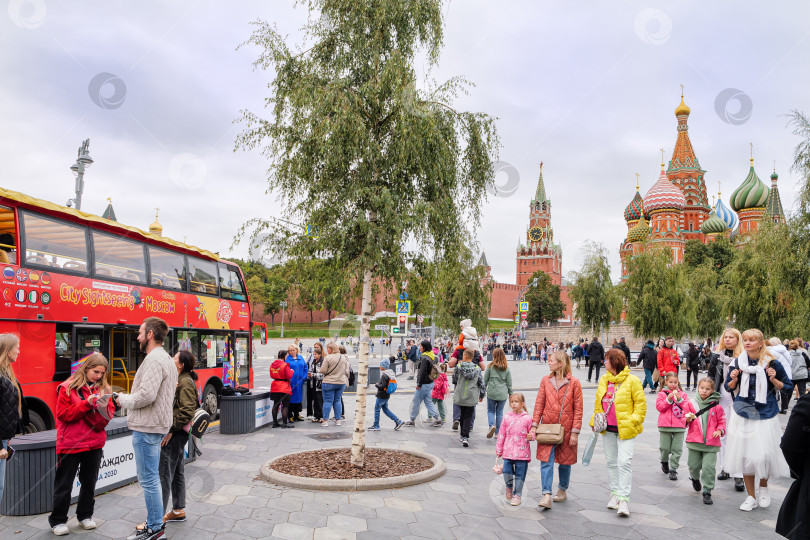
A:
[(10, 399)]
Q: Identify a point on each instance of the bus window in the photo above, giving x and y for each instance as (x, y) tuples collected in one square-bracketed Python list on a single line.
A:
[(115, 257), (167, 269), (8, 233), (54, 243), (64, 351), (202, 275), (189, 341), (230, 283), (213, 348)]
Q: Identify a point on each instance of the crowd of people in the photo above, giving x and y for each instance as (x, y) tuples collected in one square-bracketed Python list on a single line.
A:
[(729, 424)]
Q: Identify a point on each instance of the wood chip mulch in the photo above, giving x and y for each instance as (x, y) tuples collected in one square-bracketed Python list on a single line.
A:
[(335, 463)]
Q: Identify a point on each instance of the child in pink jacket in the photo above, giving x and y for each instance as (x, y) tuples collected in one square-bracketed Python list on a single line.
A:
[(703, 439), (513, 446), (673, 406), (440, 387)]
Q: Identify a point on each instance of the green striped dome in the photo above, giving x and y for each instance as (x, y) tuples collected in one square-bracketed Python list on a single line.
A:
[(713, 225), (751, 194)]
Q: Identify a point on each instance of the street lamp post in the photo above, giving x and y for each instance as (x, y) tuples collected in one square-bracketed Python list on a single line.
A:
[(283, 305), (82, 162)]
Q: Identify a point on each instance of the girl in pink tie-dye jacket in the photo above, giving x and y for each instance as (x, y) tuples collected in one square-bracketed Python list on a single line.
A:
[(513, 447)]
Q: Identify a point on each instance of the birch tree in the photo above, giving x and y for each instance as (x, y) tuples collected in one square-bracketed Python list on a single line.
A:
[(369, 164)]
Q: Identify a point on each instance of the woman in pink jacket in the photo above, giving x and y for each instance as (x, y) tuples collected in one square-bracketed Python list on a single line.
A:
[(513, 446), (703, 438)]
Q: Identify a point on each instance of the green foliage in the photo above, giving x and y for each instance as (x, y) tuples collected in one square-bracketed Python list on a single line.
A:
[(596, 299), (709, 299), (356, 151), (460, 294), (544, 300), (656, 298), (695, 253), (719, 253)]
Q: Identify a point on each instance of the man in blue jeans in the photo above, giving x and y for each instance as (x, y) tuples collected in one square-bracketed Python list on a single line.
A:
[(149, 417), (424, 387)]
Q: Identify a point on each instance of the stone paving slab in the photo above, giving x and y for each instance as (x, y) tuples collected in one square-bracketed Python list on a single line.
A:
[(226, 498)]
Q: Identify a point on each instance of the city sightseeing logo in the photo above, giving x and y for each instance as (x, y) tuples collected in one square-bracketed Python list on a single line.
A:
[(224, 313)]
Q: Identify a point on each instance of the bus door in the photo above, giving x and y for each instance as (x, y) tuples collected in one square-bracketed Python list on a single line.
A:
[(242, 358), (125, 356), (87, 339)]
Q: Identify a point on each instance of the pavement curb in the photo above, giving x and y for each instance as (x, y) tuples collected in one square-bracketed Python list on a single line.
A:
[(364, 484)]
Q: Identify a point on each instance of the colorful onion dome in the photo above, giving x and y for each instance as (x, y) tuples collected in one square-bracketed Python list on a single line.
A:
[(753, 193), (774, 176), (682, 108), (726, 214), (713, 225), (639, 232), (664, 195), (635, 209)]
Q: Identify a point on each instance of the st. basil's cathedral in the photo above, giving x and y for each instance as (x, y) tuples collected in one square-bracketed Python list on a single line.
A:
[(676, 208)]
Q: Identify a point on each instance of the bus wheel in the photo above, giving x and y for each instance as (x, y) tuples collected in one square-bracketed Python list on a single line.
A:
[(35, 423), (209, 400)]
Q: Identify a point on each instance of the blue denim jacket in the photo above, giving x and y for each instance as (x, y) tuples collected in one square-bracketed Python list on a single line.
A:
[(746, 406)]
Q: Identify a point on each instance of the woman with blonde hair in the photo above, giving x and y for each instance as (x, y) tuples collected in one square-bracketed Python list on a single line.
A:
[(559, 401), (729, 347), (80, 438), (755, 379), (11, 404), (498, 380)]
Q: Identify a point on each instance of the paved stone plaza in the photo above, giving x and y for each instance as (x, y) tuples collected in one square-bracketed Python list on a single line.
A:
[(228, 499)]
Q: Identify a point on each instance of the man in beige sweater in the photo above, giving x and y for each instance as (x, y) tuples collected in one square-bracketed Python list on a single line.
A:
[(149, 417)]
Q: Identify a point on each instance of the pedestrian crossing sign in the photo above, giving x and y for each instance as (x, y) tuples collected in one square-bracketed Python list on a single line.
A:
[(403, 307), (524, 307)]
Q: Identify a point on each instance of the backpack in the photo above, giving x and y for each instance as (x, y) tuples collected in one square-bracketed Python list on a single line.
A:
[(434, 371), (352, 377), (392, 386)]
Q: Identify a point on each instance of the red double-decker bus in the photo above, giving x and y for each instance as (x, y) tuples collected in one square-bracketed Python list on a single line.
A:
[(73, 283)]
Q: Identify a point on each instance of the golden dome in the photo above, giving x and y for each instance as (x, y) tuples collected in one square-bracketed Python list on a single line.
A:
[(156, 227), (682, 108)]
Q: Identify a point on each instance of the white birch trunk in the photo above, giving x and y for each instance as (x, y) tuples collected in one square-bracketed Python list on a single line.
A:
[(359, 435)]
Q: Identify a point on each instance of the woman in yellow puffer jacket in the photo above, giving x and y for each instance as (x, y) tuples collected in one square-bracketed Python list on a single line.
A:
[(621, 396)]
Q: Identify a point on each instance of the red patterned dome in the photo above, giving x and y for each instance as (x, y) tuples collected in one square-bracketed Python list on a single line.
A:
[(635, 209), (664, 195)]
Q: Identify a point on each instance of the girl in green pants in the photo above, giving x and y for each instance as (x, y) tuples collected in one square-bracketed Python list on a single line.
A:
[(703, 439), (672, 405)]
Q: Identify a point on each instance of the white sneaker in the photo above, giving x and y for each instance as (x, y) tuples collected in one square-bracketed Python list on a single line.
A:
[(613, 503), (624, 508), (88, 524), (764, 499), (749, 504), (338, 422), (60, 530)]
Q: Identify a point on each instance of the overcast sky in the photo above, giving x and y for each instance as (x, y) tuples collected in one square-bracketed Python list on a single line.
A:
[(587, 88)]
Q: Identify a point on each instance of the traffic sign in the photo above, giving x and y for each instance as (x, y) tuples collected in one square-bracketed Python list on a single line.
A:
[(420, 319), (403, 295), (524, 324), (517, 318), (524, 307), (524, 315), (404, 307), (384, 327)]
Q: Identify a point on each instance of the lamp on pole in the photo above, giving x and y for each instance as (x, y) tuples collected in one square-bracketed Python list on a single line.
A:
[(283, 305), (83, 161)]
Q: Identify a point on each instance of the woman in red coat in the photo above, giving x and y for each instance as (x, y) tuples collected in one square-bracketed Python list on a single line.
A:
[(559, 401), (80, 437), (280, 389)]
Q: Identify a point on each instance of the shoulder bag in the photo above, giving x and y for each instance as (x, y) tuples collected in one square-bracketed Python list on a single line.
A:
[(600, 419), (552, 433)]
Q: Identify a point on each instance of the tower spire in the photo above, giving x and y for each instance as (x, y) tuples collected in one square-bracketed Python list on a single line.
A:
[(662, 158), (752, 153), (636, 181), (540, 193)]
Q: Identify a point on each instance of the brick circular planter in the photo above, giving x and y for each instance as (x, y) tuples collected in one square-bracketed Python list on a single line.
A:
[(356, 484)]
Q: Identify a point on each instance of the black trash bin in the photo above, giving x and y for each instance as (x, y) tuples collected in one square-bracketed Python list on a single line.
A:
[(243, 414)]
